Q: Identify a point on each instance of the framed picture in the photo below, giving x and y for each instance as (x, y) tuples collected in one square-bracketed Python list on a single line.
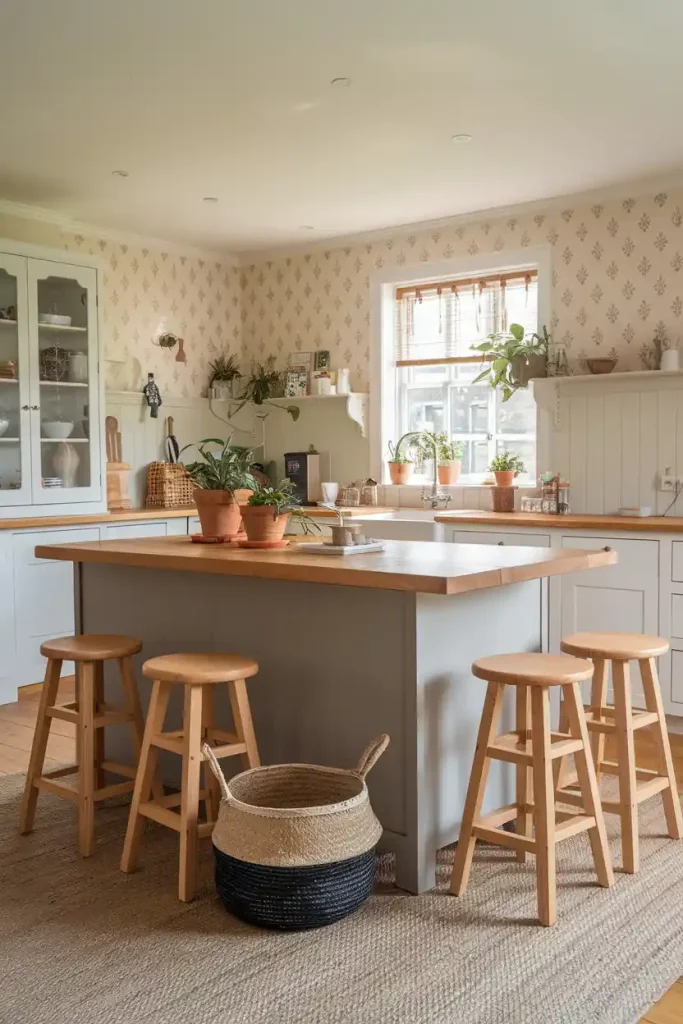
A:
[(303, 360), (296, 383), (321, 359)]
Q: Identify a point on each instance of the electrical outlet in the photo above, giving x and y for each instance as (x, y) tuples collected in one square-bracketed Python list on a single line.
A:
[(667, 482)]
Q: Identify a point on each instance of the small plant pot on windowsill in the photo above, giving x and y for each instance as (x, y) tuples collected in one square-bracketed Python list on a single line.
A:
[(503, 499), (400, 472), (449, 472), (219, 512), (526, 368), (505, 478), (262, 524)]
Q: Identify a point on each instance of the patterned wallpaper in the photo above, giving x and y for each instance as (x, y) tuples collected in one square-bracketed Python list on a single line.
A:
[(617, 282), (145, 288)]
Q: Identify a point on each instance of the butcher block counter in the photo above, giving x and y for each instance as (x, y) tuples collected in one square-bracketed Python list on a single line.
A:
[(348, 647), (544, 520)]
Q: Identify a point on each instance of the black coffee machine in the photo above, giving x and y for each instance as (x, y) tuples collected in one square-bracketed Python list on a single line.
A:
[(303, 469)]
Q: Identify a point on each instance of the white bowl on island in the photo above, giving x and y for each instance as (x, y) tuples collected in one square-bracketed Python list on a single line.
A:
[(57, 430)]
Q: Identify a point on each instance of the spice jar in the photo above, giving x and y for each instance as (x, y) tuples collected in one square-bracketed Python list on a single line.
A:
[(368, 492)]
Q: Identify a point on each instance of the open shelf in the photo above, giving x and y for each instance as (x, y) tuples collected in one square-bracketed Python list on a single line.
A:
[(9, 440), (63, 383), (64, 440), (4, 322), (62, 328)]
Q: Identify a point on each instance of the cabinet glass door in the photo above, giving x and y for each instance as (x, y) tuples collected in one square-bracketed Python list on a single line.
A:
[(64, 383), (15, 420)]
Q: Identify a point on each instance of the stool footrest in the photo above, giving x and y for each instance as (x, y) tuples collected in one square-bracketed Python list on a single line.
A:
[(57, 788), (509, 747), (160, 814), (644, 790), (116, 789), (595, 719), (501, 838), (65, 712), (60, 773), (114, 768), (572, 824), (644, 774)]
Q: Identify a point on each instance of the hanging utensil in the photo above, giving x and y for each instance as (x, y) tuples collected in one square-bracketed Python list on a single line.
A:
[(172, 446)]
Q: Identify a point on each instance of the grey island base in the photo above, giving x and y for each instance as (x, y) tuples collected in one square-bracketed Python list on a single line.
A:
[(348, 648)]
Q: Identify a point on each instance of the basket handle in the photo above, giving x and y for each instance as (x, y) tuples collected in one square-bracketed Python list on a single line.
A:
[(372, 754), (216, 769)]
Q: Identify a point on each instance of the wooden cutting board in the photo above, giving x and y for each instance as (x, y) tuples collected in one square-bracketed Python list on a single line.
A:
[(113, 439)]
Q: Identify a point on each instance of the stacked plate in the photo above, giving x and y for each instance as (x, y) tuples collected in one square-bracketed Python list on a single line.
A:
[(8, 369), (53, 481)]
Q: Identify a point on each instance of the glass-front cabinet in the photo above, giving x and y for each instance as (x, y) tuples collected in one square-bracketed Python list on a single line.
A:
[(50, 437)]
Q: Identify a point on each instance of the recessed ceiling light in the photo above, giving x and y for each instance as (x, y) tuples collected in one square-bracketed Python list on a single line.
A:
[(307, 227), (210, 199), (120, 174), (460, 140), (340, 83)]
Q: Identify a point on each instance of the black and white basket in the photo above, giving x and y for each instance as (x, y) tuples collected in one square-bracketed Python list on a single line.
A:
[(294, 844)]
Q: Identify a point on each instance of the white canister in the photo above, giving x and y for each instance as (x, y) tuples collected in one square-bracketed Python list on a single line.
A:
[(669, 359), (330, 491), (78, 367), (344, 381), (323, 385)]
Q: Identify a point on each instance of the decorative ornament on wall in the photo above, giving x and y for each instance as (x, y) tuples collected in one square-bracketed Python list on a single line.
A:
[(153, 396)]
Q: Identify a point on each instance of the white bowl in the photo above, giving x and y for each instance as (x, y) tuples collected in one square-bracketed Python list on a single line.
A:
[(55, 320), (4, 425), (56, 429)]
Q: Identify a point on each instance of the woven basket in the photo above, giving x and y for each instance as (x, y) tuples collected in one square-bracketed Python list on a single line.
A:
[(294, 844), (168, 485)]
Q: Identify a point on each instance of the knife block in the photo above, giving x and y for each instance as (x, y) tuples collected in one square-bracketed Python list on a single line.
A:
[(118, 498)]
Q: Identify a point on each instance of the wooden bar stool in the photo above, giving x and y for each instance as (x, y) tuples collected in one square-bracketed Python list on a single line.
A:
[(199, 674), (90, 714), (621, 720), (532, 747)]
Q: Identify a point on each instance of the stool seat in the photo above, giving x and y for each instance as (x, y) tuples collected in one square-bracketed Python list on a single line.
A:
[(199, 668), (614, 646), (91, 647), (532, 669)]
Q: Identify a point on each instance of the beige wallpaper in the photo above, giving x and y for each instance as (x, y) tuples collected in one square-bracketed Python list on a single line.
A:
[(146, 288), (617, 282)]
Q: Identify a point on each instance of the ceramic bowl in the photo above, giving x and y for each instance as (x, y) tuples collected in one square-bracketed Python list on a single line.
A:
[(57, 429), (4, 426), (55, 319), (601, 365)]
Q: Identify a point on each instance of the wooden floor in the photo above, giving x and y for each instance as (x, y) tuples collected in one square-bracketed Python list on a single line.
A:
[(16, 732)]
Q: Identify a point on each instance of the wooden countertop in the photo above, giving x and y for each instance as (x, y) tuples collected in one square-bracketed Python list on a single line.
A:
[(651, 524), (417, 566)]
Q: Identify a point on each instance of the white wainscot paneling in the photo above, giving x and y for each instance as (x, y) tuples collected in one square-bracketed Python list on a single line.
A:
[(611, 436)]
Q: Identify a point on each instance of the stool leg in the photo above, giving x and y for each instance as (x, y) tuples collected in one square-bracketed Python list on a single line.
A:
[(598, 700), (488, 728), (48, 697), (588, 784), (86, 773), (653, 702), (241, 713), (562, 777), (189, 805), (99, 733), (132, 699), (626, 757), (212, 791), (524, 775), (544, 805), (145, 773)]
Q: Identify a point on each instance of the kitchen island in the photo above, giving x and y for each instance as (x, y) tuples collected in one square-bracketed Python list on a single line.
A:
[(348, 647)]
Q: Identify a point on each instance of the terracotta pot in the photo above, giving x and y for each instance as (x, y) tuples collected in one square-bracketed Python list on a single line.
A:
[(261, 524), (505, 478), (219, 511), (523, 369), (449, 472), (400, 472)]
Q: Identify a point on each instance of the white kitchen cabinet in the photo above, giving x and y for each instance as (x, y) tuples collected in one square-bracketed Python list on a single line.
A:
[(529, 540), (50, 384), (157, 528)]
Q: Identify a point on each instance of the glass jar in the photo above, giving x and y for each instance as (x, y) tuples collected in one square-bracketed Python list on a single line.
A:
[(368, 492)]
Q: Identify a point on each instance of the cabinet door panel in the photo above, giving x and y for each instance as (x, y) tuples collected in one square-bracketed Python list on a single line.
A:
[(525, 540), (15, 415)]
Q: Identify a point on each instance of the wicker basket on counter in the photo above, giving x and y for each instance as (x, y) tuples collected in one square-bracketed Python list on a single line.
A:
[(168, 486), (294, 844)]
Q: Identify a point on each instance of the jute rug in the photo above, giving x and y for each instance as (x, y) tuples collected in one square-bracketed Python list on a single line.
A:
[(81, 943)]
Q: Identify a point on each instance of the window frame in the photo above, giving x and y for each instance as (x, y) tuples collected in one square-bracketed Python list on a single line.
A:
[(383, 391)]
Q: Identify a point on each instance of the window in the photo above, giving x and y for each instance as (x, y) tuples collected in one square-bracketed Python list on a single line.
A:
[(434, 367)]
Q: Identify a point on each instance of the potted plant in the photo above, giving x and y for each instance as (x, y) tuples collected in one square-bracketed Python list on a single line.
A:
[(267, 512), (222, 480), (400, 465), (225, 375), (450, 459), (262, 387), (506, 467), (514, 359)]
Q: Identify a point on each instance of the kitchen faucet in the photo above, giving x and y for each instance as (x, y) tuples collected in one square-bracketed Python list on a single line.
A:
[(434, 497)]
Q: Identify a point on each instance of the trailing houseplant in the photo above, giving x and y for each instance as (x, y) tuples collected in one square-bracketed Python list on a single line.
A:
[(449, 454), (222, 480), (261, 388), (400, 464), (268, 510), (506, 467), (225, 375), (513, 358)]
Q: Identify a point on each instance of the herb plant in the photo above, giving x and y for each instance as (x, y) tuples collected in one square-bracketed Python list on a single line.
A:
[(224, 368), (283, 501), (448, 449), (507, 462), (398, 454), (229, 469)]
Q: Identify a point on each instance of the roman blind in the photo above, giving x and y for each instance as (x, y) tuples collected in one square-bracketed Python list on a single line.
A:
[(437, 323)]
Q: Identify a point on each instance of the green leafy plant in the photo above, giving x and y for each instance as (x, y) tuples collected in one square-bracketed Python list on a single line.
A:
[(503, 350), (507, 462), (448, 449), (398, 454), (228, 469), (225, 368), (282, 499), (261, 387)]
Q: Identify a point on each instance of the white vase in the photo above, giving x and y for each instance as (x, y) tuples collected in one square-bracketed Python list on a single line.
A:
[(78, 367), (65, 462), (669, 359), (344, 381)]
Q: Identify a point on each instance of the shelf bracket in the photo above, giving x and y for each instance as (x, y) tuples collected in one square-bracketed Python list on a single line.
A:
[(357, 410)]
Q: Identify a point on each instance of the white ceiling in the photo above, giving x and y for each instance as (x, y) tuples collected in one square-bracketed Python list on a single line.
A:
[(231, 98)]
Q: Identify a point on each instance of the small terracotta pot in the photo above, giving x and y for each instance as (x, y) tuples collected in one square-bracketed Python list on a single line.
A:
[(261, 524), (505, 478), (400, 472), (219, 511), (449, 472)]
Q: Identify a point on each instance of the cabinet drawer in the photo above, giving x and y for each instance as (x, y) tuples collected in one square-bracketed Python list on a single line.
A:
[(638, 562), (677, 615), (131, 531), (526, 540), (677, 561)]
